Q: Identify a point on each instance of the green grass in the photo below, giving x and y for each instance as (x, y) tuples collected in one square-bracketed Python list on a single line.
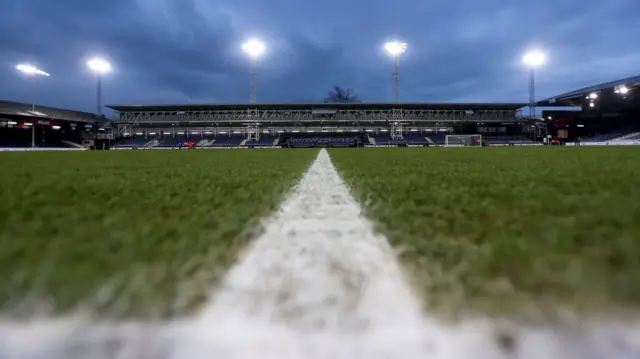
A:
[(523, 231), (131, 233)]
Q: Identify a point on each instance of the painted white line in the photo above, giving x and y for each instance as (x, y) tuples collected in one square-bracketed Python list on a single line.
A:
[(318, 283)]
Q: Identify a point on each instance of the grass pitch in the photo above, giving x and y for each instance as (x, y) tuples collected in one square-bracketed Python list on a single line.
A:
[(131, 233), (508, 230)]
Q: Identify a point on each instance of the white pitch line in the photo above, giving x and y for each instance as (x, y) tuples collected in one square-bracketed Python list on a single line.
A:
[(317, 284)]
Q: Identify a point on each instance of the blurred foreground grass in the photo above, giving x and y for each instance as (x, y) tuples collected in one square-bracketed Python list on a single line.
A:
[(131, 233), (508, 230)]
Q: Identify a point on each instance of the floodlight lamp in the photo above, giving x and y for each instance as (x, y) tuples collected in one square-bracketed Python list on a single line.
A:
[(534, 58), (395, 48), (593, 95), (253, 48), (591, 104), (30, 70), (623, 90), (99, 65)]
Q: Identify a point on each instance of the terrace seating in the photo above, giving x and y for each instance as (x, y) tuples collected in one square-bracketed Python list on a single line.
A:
[(227, 141), (507, 140), (609, 136), (323, 142), (437, 139), (633, 136), (627, 133), (416, 139), (173, 142), (381, 140), (263, 141), (131, 142), (411, 139)]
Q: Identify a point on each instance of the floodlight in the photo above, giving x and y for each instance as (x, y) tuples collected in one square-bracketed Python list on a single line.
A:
[(99, 66), (593, 95), (30, 70), (395, 48), (253, 48), (534, 58), (622, 90), (591, 104)]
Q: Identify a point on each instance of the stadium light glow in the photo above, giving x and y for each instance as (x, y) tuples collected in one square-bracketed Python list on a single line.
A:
[(395, 48), (591, 104), (593, 95), (623, 90), (253, 48), (99, 65), (30, 70), (534, 58)]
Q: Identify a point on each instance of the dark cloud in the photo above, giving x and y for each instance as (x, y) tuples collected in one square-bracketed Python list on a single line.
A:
[(188, 50)]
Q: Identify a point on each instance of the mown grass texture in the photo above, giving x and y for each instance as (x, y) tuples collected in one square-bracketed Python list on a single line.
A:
[(512, 231), (131, 233)]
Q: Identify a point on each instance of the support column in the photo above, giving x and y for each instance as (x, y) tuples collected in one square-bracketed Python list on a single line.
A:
[(532, 95), (254, 79), (396, 78)]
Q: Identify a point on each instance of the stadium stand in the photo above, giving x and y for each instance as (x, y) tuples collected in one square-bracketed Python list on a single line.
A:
[(311, 125), (324, 141), (45, 127), (264, 141), (601, 113), (228, 141), (50, 113)]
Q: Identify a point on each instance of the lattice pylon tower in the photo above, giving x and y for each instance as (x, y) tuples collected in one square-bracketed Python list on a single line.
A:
[(396, 131), (253, 131), (532, 94)]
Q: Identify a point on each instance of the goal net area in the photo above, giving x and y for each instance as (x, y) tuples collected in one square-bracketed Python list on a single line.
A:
[(463, 141)]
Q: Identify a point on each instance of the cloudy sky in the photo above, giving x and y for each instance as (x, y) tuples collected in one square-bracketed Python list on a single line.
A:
[(188, 51)]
